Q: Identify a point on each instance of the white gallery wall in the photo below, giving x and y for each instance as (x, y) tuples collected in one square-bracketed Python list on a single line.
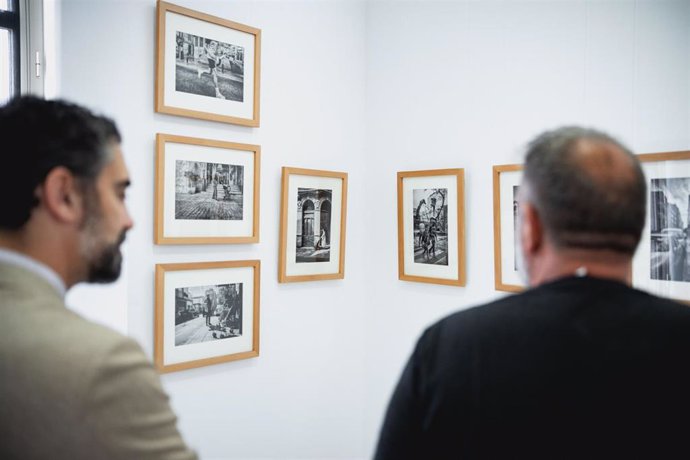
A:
[(466, 85), (370, 88), (304, 396)]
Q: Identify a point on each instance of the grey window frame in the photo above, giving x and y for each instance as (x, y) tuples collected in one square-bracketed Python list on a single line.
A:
[(24, 20), (32, 67), (11, 21)]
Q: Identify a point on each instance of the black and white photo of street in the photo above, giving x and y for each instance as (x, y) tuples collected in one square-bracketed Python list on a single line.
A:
[(313, 225), (208, 191), (430, 214), (670, 207), (206, 313), (208, 67)]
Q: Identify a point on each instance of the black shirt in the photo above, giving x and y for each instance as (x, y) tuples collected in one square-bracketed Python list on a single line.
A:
[(577, 368)]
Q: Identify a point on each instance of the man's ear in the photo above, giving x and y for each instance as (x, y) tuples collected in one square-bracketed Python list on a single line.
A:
[(61, 196), (532, 233)]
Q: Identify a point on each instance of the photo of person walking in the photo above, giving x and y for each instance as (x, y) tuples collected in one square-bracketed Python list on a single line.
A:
[(209, 67)]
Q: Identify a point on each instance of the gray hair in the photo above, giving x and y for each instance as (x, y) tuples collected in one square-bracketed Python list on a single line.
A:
[(588, 189)]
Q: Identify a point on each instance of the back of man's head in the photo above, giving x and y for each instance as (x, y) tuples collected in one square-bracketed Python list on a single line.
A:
[(588, 189), (40, 135)]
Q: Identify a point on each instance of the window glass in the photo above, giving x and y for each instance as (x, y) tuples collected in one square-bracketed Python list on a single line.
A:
[(4, 5), (5, 65)]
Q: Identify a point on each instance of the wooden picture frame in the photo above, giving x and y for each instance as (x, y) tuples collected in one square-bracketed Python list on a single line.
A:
[(506, 178), (662, 261), (206, 313), (431, 235), (310, 250), (207, 67), (207, 191)]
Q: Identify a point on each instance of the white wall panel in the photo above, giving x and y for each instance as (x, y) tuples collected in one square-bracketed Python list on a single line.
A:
[(370, 88)]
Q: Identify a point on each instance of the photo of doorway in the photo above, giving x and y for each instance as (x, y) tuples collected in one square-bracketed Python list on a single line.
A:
[(313, 225)]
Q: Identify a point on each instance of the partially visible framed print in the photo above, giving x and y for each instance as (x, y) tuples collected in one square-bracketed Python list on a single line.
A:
[(431, 226), (312, 225), (662, 261), (506, 245), (207, 191), (207, 67), (206, 313)]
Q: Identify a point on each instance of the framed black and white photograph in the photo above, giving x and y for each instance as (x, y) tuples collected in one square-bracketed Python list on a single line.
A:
[(207, 67), (662, 261), (206, 313), (431, 226), (506, 182), (312, 225), (207, 191)]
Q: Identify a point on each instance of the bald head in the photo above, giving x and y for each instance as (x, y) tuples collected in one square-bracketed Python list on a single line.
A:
[(588, 189)]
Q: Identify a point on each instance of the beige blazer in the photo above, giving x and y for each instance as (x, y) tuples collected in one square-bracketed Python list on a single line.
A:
[(71, 389)]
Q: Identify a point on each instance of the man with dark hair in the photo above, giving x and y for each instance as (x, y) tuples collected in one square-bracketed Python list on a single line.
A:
[(70, 389), (580, 365)]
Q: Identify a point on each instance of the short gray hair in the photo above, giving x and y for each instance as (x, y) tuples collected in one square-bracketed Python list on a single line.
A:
[(581, 204)]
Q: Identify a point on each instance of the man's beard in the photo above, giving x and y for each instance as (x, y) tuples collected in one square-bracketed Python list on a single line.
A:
[(104, 261), (105, 266)]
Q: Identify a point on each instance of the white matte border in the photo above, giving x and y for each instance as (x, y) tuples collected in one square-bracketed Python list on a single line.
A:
[(412, 268), (177, 22), (186, 278), (174, 228), (508, 238), (641, 276), (296, 181)]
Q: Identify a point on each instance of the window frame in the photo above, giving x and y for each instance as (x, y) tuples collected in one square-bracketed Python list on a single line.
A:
[(11, 20), (24, 20), (32, 58)]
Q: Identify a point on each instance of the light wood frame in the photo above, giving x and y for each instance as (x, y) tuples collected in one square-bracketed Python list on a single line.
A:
[(283, 277), (679, 155), (459, 174), (498, 266), (159, 238), (664, 156), (160, 104), (159, 332)]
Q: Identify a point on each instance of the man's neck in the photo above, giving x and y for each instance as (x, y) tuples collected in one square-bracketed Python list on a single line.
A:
[(30, 264), (570, 262), (42, 250)]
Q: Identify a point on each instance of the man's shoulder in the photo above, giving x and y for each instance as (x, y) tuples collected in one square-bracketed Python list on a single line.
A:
[(471, 317), (65, 324), (96, 389), (101, 339), (559, 300), (57, 341)]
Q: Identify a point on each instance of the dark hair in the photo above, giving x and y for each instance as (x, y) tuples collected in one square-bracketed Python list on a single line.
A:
[(38, 135), (588, 189)]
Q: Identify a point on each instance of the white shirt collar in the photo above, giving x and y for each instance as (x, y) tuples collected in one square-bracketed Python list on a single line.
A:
[(27, 263)]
